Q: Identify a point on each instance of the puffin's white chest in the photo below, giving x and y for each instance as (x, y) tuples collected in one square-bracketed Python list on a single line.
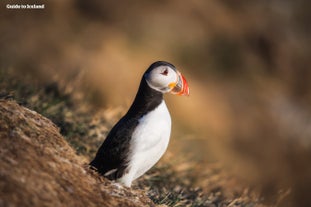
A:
[(150, 140)]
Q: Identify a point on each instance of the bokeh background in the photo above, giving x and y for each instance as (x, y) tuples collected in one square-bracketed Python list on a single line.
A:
[(247, 64)]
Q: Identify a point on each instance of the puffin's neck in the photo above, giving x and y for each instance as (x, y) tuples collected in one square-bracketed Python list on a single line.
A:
[(146, 100)]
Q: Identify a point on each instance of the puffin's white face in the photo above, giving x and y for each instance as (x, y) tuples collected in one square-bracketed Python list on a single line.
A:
[(166, 79)]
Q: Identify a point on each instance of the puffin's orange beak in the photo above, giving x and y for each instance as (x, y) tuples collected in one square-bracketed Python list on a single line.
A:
[(180, 87)]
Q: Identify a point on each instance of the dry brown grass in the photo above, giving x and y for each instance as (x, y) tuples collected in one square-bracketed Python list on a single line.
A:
[(39, 168)]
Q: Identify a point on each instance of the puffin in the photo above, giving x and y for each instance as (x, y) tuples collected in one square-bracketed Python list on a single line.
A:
[(140, 138)]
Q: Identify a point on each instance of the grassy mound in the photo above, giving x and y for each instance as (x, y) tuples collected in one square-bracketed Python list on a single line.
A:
[(39, 168)]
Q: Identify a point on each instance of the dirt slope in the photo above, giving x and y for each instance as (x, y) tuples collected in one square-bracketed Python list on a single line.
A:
[(39, 168)]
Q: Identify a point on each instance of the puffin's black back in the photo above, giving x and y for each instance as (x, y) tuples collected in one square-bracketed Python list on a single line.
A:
[(113, 153)]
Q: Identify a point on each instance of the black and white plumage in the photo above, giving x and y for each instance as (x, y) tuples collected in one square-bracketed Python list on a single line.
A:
[(141, 136)]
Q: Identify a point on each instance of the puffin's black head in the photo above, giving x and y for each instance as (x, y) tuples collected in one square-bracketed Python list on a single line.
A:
[(164, 77)]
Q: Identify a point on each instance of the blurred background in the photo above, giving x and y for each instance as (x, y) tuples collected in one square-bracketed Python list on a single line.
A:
[(247, 64)]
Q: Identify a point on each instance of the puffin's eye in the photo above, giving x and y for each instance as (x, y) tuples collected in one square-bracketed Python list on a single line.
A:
[(165, 72)]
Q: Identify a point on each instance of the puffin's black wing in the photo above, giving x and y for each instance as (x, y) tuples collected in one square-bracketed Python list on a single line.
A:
[(113, 153)]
